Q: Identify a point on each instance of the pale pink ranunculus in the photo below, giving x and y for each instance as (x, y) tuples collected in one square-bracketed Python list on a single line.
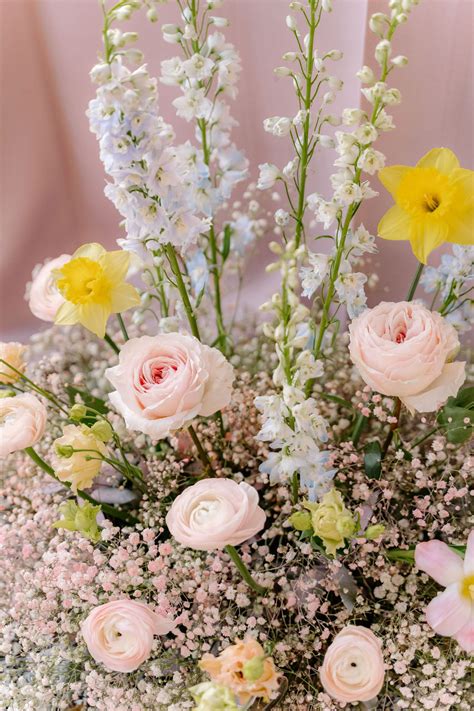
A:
[(22, 422), (215, 513), (451, 613), (163, 382), (12, 353), (404, 350), (119, 634), (353, 667), (44, 298)]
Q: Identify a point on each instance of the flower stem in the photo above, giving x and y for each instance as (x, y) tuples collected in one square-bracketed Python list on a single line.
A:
[(294, 488), (244, 571), (36, 388), (203, 456), (122, 327), (109, 510), (358, 428), (414, 284), (173, 260), (393, 427), (112, 343)]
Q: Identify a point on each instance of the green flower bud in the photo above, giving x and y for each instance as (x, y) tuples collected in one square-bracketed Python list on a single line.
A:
[(331, 521), (77, 412), (102, 430), (213, 697), (80, 518), (373, 532), (7, 393), (301, 520), (65, 450), (253, 669)]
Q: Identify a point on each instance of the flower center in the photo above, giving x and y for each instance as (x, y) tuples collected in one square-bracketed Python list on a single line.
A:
[(82, 281), (467, 587), (426, 191), (431, 202)]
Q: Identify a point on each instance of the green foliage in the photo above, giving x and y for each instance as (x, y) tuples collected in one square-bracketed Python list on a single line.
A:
[(452, 417)]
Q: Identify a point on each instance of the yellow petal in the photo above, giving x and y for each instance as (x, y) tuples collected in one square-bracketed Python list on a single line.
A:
[(67, 314), (463, 181), (124, 297), (94, 317), (443, 159), (461, 227), (395, 224), (391, 176), (116, 265), (93, 251), (426, 235)]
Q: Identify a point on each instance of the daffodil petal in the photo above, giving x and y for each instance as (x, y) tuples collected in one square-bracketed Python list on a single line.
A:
[(67, 314), (391, 176), (443, 159), (124, 297), (93, 251), (395, 224), (426, 235), (461, 228), (94, 317), (116, 264)]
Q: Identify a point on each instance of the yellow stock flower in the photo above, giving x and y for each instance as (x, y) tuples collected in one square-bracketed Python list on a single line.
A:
[(93, 285), (434, 203)]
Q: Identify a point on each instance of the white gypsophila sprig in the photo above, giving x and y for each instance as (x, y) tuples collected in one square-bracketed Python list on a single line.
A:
[(207, 75), (154, 184)]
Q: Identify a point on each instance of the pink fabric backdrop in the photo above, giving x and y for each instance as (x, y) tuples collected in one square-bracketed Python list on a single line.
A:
[(51, 178)]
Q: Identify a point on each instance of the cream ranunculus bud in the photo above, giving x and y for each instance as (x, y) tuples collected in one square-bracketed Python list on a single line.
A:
[(213, 697), (353, 668), (374, 531), (44, 298), (102, 430), (78, 412), (331, 521), (12, 353), (78, 468)]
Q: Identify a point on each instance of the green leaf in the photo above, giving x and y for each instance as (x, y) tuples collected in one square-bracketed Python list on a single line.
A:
[(337, 400), (373, 460), (453, 415), (226, 242), (95, 403)]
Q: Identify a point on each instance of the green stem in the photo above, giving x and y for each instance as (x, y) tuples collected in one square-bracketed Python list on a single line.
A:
[(414, 284), (244, 571), (122, 327), (174, 264), (393, 427), (36, 388), (203, 456), (423, 438), (112, 343), (106, 508), (295, 486), (358, 429)]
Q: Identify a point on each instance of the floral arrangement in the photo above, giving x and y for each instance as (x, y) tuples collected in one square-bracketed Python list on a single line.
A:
[(206, 514)]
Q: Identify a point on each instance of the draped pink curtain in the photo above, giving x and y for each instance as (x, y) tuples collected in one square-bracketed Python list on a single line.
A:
[(52, 181)]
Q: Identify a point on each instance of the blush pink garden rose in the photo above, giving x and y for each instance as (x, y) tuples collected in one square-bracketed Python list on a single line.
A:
[(451, 613), (215, 513), (353, 667), (44, 298), (22, 423), (120, 634), (163, 382), (404, 350)]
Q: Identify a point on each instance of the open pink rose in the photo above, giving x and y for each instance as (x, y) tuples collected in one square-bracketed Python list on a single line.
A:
[(404, 350), (22, 422), (44, 298), (120, 634), (163, 382), (215, 513), (451, 613), (353, 667)]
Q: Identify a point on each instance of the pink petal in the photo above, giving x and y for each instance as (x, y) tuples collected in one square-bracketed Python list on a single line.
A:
[(436, 394), (439, 561), (449, 612), (465, 636), (469, 555)]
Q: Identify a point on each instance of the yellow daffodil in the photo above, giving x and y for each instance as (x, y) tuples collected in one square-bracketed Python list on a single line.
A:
[(93, 286), (434, 203)]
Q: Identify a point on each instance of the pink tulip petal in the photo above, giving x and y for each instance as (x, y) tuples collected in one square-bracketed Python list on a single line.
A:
[(469, 555), (449, 611), (465, 636), (439, 561)]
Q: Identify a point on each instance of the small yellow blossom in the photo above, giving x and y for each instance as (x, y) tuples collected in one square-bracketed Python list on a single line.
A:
[(93, 286), (331, 521), (434, 203)]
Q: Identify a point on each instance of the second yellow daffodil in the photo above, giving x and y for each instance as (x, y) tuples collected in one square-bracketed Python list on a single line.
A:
[(434, 203), (94, 287)]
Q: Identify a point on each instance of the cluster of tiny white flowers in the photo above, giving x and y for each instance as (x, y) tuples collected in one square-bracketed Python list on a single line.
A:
[(453, 282), (156, 185)]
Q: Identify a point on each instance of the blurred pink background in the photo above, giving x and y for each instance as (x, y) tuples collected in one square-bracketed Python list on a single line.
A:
[(52, 180)]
